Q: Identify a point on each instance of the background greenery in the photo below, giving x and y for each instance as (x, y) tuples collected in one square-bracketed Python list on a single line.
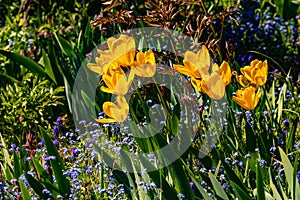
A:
[(44, 43)]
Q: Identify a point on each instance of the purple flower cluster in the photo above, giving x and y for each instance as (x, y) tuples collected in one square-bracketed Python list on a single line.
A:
[(260, 29), (57, 127)]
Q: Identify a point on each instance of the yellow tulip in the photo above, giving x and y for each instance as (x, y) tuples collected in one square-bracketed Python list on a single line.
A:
[(116, 81), (145, 64), (214, 84), (247, 98), (117, 112), (195, 65), (121, 50), (257, 72)]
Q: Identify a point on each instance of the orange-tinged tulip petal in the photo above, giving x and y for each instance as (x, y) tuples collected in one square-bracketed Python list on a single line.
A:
[(204, 59), (117, 112), (247, 98), (102, 63), (145, 64), (260, 73), (225, 72), (96, 68), (187, 70), (214, 84)]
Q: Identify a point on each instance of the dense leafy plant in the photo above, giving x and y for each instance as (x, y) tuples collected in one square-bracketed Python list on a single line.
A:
[(27, 104)]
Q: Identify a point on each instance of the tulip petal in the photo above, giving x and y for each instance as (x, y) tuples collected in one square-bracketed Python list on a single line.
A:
[(247, 98), (257, 97), (256, 73), (243, 81), (117, 112), (108, 107), (96, 68), (106, 120), (145, 65), (203, 63), (196, 84), (186, 70), (121, 51), (213, 86), (226, 72), (241, 102)]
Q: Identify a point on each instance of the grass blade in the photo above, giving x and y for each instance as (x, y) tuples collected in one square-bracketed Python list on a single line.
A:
[(17, 166), (47, 65), (201, 189), (24, 190), (217, 187), (260, 183), (288, 171), (240, 193), (276, 194), (57, 165)]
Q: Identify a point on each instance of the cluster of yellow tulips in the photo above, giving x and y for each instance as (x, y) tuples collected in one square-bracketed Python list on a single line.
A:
[(197, 66), (205, 77), (121, 53), (252, 76)]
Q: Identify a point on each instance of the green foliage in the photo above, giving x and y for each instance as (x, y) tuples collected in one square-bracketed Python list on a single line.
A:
[(287, 8), (44, 44), (26, 105)]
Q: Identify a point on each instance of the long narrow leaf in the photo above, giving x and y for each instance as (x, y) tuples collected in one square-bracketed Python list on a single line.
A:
[(57, 165), (233, 177), (276, 194), (180, 179), (47, 65), (36, 186), (24, 190), (218, 188), (26, 62), (17, 166), (9, 79), (259, 183), (288, 171), (168, 191), (65, 46), (241, 194), (201, 189)]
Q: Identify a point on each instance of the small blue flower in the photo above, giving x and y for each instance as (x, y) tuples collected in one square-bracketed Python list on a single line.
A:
[(273, 149), (286, 122), (224, 185), (248, 156), (41, 143), (56, 143)]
